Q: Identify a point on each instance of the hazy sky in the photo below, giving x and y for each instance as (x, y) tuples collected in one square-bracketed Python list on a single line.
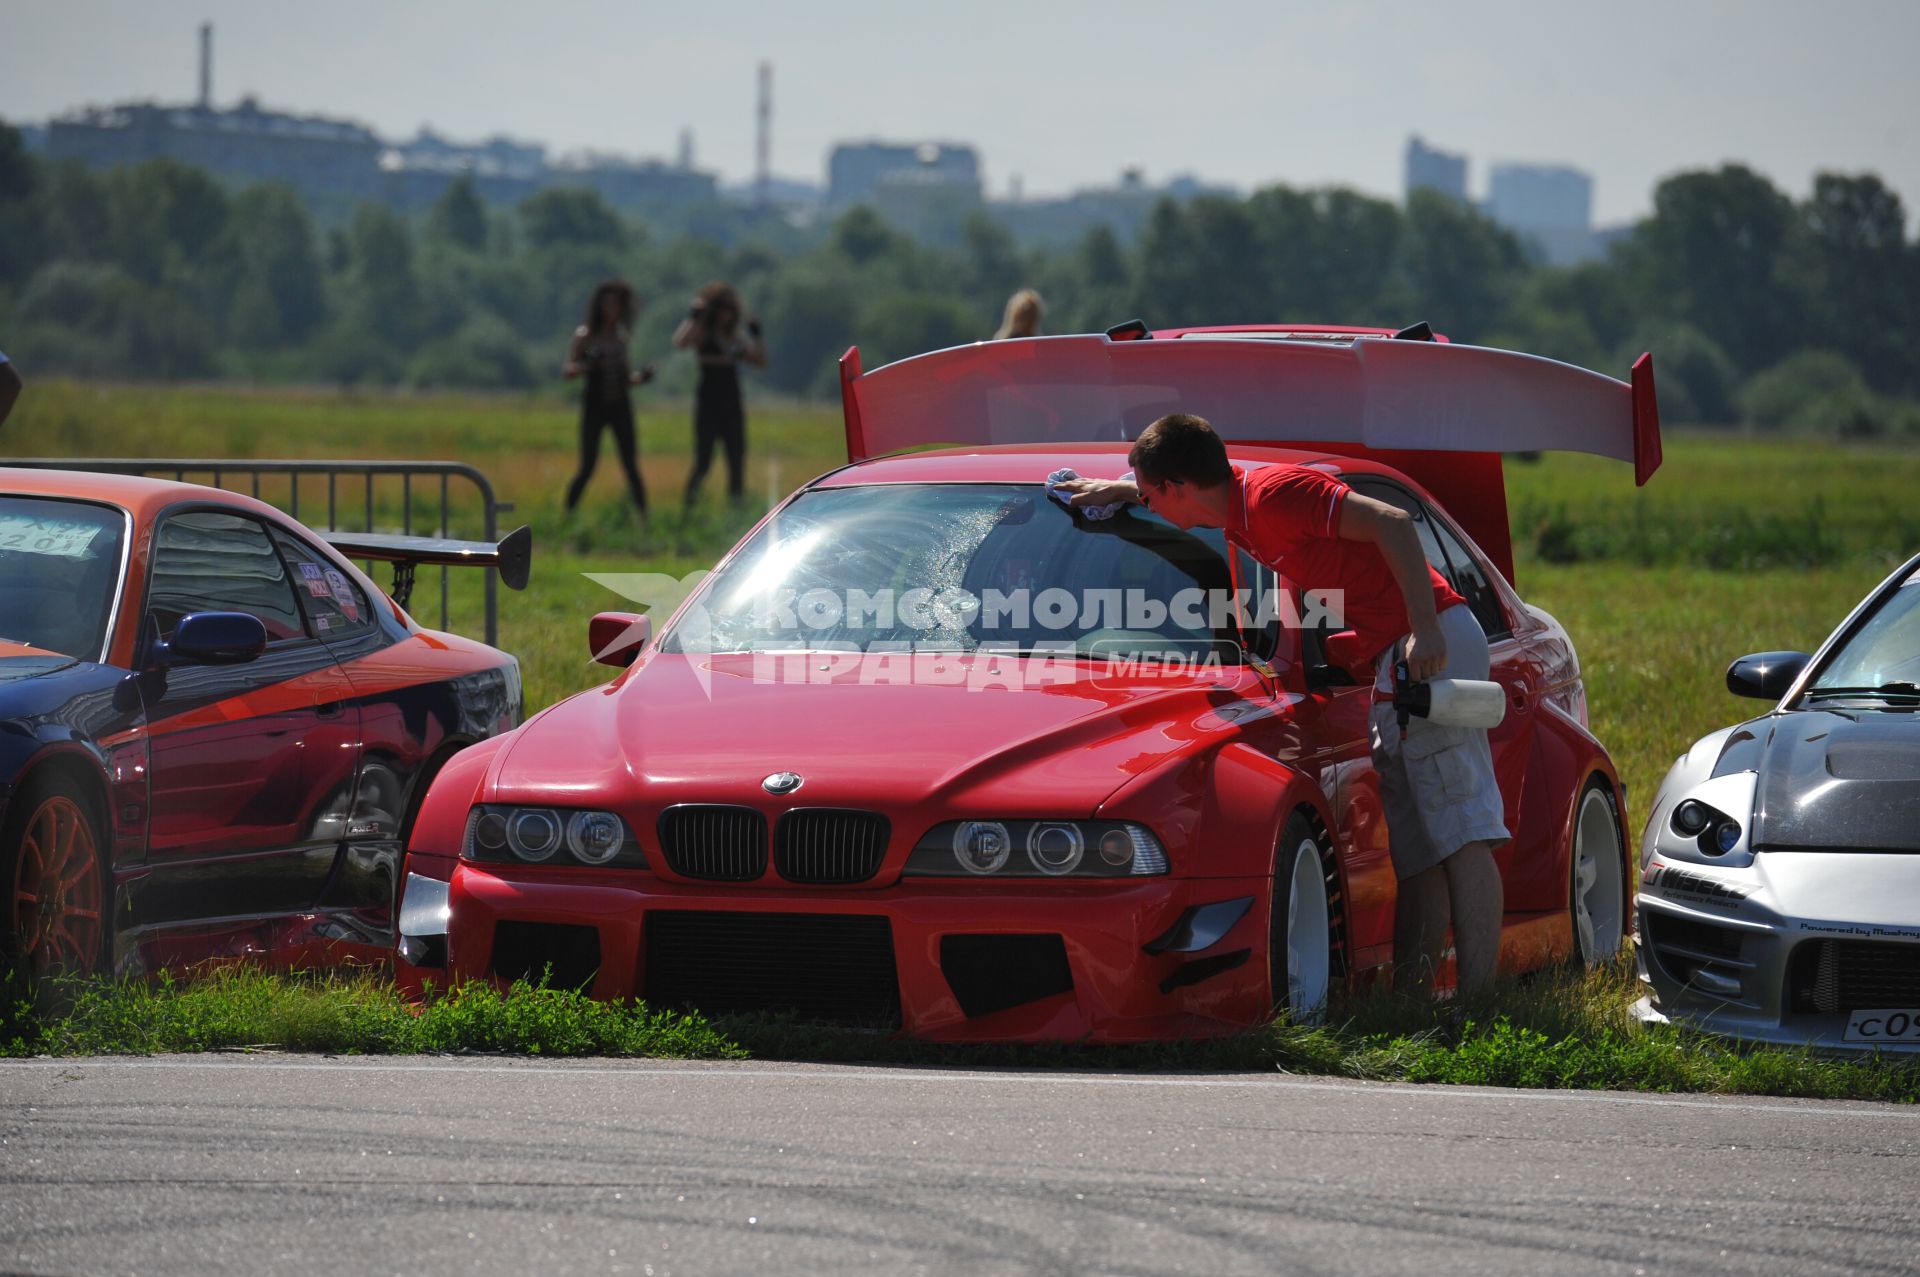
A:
[(1063, 95)]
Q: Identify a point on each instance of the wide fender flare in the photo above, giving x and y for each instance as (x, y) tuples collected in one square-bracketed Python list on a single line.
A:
[(441, 823), (1562, 747), (1224, 820)]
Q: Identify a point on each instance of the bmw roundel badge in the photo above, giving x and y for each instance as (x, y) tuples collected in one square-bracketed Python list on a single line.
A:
[(781, 783)]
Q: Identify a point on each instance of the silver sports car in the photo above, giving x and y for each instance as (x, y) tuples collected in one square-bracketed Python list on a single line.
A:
[(1780, 866)]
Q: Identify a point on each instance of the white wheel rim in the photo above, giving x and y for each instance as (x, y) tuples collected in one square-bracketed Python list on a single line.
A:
[(1598, 897), (1309, 956)]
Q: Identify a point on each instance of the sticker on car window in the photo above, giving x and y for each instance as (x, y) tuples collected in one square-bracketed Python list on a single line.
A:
[(316, 583), (343, 595), (55, 537)]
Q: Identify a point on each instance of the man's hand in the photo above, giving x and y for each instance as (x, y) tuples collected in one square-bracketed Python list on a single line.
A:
[(1098, 492), (1426, 653)]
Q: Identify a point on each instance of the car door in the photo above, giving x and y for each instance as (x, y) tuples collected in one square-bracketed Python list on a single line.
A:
[(1335, 748), (391, 742), (248, 761)]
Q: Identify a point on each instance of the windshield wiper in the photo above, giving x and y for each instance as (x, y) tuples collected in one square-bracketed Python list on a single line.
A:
[(1886, 692)]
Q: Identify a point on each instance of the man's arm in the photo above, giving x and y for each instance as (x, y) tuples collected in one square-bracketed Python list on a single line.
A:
[(1376, 522), (1097, 492), (10, 386)]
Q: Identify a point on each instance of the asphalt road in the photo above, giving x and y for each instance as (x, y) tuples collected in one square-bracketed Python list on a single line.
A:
[(228, 1164)]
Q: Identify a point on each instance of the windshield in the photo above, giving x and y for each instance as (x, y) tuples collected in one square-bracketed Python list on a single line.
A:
[(1883, 653), (960, 566), (59, 567)]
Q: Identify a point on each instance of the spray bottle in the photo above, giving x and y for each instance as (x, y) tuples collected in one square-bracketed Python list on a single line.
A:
[(1451, 702)]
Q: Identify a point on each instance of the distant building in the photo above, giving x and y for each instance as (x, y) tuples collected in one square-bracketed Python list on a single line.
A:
[(857, 170), (1434, 170), (1122, 208), (498, 156), (627, 183), (1549, 205), (311, 153)]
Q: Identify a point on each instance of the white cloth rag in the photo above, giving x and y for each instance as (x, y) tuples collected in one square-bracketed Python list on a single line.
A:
[(1063, 474)]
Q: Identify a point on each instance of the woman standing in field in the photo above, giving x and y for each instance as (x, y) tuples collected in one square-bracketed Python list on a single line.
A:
[(712, 331), (1024, 312), (598, 352)]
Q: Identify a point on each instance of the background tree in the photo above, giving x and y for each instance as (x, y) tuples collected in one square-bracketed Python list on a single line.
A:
[(458, 217)]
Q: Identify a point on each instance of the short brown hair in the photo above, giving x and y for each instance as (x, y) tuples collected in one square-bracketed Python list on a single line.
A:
[(1180, 447)]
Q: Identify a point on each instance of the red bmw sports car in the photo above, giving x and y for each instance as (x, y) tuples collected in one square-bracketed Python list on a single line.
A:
[(930, 750)]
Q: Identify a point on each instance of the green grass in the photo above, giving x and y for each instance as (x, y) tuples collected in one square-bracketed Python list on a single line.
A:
[(240, 1008), (1739, 544), (1560, 1029)]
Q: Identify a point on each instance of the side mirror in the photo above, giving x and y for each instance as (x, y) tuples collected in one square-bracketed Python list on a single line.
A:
[(1766, 676), (214, 638), (616, 638)]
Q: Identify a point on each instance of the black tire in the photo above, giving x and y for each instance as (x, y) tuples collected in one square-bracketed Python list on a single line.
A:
[(57, 895), (1596, 876), (1301, 967)]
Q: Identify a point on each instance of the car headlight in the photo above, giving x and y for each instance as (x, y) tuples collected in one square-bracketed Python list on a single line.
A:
[(537, 835), (1037, 848), (1708, 825)]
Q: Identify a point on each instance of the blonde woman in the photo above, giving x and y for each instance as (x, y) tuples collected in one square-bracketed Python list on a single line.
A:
[(1025, 310)]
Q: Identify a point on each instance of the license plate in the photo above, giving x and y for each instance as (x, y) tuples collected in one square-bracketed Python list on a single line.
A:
[(1902, 1025)]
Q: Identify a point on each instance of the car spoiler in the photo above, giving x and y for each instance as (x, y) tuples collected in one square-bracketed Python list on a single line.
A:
[(1442, 412), (512, 554)]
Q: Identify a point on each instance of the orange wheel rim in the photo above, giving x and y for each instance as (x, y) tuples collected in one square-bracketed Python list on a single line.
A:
[(56, 890)]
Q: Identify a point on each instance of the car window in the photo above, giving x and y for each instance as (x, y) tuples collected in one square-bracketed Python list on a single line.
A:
[(336, 608), (1445, 553), (1885, 649), (1472, 585), (59, 570), (207, 561), (956, 566)]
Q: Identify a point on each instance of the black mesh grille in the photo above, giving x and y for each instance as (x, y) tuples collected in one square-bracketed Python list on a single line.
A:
[(1685, 933), (717, 844), (829, 967), (829, 846), (1836, 976)]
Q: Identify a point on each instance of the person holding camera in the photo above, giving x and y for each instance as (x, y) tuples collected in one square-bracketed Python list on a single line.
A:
[(598, 352), (712, 331)]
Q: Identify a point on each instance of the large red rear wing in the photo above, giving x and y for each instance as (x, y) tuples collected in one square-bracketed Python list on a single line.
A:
[(1440, 412), (1378, 393)]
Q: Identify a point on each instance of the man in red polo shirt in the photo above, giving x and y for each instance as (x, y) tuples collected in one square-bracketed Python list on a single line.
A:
[(1444, 814)]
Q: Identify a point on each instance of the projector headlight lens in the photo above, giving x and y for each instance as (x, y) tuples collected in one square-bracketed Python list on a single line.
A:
[(1691, 817), (981, 846), (595, 836)]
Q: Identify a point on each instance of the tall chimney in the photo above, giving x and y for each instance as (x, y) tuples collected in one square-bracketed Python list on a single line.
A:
[(763, 142), (206, 66)]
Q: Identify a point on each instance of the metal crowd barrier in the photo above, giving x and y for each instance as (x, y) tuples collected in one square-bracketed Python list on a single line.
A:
[(360, 478)]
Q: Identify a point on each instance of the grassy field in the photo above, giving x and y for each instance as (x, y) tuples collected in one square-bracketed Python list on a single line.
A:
[(1738, 544)]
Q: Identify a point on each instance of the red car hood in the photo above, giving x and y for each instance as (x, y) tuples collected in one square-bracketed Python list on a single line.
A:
[(706, 729)]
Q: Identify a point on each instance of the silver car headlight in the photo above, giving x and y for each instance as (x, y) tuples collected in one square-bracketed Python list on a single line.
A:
[(550, 835), (1037, 849), (1710, 824)]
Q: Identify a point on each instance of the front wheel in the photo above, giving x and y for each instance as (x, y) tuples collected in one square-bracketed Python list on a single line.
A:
[(50, 851), (1597, 893), (1301, 935)]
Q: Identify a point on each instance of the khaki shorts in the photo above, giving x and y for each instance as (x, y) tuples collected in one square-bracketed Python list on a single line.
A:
[(1437, 786)]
